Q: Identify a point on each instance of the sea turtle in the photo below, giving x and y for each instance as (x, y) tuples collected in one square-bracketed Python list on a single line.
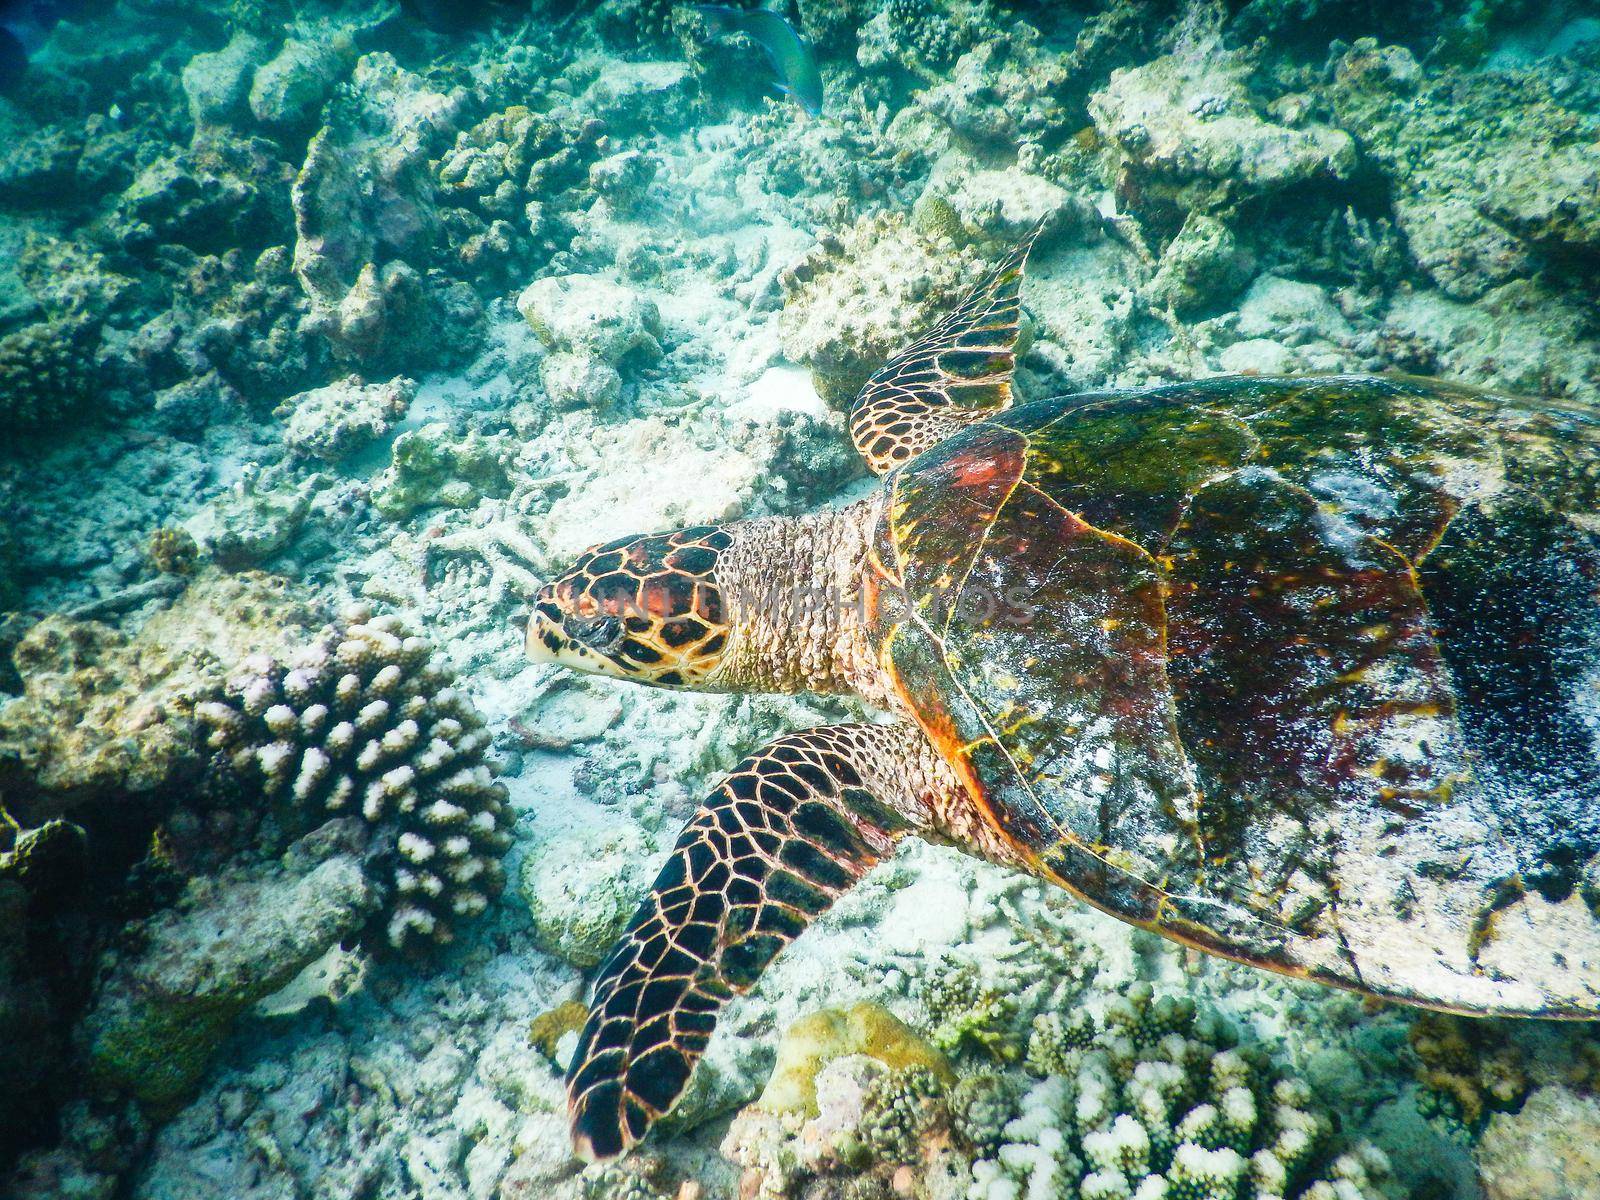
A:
[(1300, 671)]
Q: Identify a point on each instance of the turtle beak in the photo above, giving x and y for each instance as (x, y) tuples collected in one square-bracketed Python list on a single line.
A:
[(549, 642), (545, 640)]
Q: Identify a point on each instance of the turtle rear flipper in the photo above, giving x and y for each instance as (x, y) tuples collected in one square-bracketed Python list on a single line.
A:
[(956, 373), (782, 837)]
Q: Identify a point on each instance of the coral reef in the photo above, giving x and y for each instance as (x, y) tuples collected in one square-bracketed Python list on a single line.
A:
[(230, 239), (1150, 1101), (510, 185), (921, 38), (634, 24), (361, 722), (851, 1088), (1010, 92), (1153, 1103), (104, 804), (966, 1010), (354, 241), (1188, 136)]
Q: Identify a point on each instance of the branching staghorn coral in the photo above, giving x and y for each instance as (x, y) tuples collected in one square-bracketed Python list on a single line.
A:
[(987, 1006), (361, 722), (1151, 1105)]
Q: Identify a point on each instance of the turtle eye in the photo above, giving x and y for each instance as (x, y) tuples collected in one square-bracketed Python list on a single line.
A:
[(598, 633)]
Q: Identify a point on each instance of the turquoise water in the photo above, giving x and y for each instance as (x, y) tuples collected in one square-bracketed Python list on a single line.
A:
[(331, 333)]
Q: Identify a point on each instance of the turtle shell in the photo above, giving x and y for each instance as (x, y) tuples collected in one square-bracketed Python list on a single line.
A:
[(1302, 672)]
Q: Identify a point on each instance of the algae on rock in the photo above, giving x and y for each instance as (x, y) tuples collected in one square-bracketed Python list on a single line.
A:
[(1548, 1150), (366, 215), (106, 716), (431, 467), (1493, 173), (332, 422), (47, 376), (862, 295), (255, 518), (162, 1013), (581, 890), (1189, 136), (594, 329), (863, 1028)]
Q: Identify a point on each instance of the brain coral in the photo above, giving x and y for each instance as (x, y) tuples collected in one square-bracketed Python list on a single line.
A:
[(361, 721)]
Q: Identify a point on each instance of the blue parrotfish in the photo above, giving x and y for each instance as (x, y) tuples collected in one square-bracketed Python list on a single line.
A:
[(788, 52)]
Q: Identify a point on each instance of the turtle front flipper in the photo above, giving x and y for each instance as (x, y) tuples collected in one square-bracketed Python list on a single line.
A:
[(956, 373), (778, 840)]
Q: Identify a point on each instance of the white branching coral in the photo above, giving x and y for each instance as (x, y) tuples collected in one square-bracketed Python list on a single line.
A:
[(362, 723), (1151, 1105)]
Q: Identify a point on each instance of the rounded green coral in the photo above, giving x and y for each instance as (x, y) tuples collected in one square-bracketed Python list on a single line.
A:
[(900, 1110), (46, 375), (980, 1105), (1152, 1103)]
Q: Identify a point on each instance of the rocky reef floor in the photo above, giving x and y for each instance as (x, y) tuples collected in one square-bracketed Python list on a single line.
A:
[(329, 330)]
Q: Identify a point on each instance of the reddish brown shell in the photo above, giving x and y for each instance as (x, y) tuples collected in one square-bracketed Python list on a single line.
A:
[(1304, 672)]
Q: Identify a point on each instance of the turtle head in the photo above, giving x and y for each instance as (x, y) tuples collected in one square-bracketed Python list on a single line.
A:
[(642, 608)]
